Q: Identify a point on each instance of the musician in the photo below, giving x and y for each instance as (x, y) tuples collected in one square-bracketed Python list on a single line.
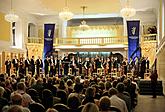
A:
[(73, 65), (79, 64), (27, 65), (55, 65), (32, 65), (131, 64), (93, 65), (66, 62), (115, 64), (136, 66), (8, 66), (60, 66), (105, 66), (51, 62), (15, 62), (86, 66), (21, 66), (143, 67), (97, 62), (39, 65), (109, 65), (147, 64), (124, 65), (46, 65)]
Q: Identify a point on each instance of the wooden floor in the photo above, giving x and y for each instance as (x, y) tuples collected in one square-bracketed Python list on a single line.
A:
[(148, 104)]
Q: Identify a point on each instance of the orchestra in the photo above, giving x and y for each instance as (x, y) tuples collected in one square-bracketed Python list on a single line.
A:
[(76, 65)]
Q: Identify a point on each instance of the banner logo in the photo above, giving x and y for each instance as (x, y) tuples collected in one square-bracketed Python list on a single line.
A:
[(133, 30), (133, 39), (49, 32), (48, 38)]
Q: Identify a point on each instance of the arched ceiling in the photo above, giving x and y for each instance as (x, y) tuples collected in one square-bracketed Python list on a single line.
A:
[(53, 7)]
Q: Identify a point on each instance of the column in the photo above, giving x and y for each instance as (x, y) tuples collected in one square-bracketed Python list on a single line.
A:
[(3, 61)]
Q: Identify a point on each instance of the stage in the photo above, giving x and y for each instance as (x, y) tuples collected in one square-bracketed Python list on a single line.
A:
[(145, 87)]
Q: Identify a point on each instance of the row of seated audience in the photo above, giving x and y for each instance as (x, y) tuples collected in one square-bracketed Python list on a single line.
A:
[(67, 94)]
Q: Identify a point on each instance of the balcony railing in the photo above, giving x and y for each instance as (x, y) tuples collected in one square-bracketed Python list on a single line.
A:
[(149, 38), (36, 40), (90, 41)]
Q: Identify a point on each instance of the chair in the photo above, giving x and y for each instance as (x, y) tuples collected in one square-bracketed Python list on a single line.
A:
[(61, 107), (100, 71), (129, 74)]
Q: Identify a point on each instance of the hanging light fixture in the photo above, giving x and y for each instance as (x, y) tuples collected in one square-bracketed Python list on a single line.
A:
[(66, 15), (11, 17), (83, 26), (127, 11)]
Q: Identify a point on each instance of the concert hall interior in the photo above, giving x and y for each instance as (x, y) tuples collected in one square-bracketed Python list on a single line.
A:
[(82, 55)]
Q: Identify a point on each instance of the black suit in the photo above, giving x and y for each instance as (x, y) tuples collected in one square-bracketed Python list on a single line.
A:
[(66, 65), (46, 66), (73, 66), (27, 65), (32, 66), (87, 66), (56, 66), (147, 65), (110, 66), (39, 65), (15, 64), (143, 68), (51, 61), (8, 66)]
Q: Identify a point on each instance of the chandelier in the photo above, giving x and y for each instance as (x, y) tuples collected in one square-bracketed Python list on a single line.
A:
[(83, 26), (11, 17), (66, 15), (127, 11)]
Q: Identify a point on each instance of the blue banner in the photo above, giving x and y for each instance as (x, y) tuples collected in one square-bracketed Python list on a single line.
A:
[(133, 28), (48, 38)]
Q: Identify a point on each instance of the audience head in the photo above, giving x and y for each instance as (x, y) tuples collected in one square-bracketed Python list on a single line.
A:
[(39, 81), (2, 90), (16, 99), (62, 83), (69, 82), (120, 87), (15, 108), (73, 101), (101, 85), (62, 94), (114, 83), (90, 107), (112, 91), (104, 103), (47, 98), (78, 88), (108, 85), (51, 110), (77, 80), (21, 86), (36, 107), (89, 92)]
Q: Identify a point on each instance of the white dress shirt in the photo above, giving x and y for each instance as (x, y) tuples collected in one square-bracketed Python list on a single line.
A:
[(119, 103)]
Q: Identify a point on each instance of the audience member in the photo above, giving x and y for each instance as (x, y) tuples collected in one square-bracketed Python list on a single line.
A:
[(116, 101)]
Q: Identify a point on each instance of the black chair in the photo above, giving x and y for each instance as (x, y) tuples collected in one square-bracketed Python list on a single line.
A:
[(114, 109), (37, 107), (61, 107)]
